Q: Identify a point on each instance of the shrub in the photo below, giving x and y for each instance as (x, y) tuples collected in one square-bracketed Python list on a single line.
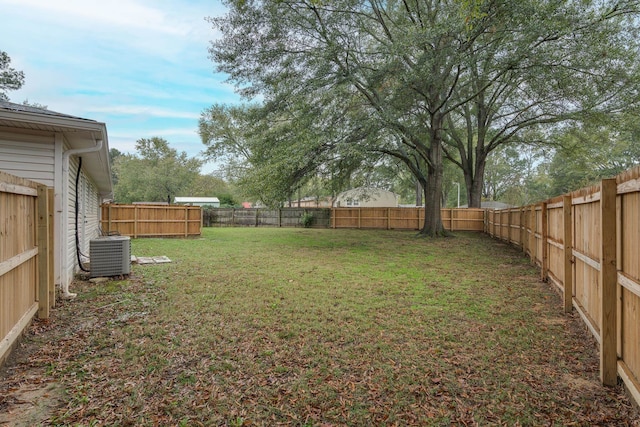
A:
[(306, 220)]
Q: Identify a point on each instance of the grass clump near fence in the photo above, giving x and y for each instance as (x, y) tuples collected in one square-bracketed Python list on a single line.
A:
[(314, 327)]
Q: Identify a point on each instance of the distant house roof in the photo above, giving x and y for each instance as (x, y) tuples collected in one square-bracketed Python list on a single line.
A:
[(151, 203), (199, 200), (491, 205), (6, 105), (367, 196)]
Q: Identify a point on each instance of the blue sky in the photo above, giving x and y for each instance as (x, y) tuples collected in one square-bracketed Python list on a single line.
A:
[(140, 66)]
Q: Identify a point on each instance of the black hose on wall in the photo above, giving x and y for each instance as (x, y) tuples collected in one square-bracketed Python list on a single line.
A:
[(77, 209)]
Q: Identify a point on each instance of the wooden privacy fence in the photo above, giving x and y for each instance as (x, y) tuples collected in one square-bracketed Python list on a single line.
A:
[(26, 256), (587, 243), (372, 218), (262, 217), (405, 218), (151, 220)]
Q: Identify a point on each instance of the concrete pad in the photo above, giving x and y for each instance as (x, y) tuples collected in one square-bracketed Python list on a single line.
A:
[(142, 260)]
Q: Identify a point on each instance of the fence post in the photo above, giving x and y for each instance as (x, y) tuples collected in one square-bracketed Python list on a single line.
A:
[(52, 283), (568, 253), (523, 229), (186, 221), (42, 205), (135, 221), (545, 237), (451, 219), (533, 244), (485, 222), (495, 222), (359, 218), (608, 283), (388, 218)]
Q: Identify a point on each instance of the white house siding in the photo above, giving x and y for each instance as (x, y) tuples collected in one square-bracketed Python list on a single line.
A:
[(28, 156), (32, 146), (90, 214), (88, 217), (366, 197)]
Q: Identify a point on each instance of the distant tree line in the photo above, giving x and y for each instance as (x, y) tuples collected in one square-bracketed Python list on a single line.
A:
[(158, 173)]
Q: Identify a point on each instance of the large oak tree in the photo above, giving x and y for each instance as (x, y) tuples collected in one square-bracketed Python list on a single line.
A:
[(389, 66), (343, 82), (544, 64)]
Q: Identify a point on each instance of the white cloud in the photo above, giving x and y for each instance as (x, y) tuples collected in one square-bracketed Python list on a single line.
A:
[(189, 132), (167, 29), (140, 66), (142, 110), (105, 14)]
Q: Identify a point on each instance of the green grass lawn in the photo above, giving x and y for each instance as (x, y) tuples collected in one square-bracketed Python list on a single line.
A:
[(306, 327)]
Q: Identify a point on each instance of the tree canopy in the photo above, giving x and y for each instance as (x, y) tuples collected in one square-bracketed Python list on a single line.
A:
[(156, 173), (375, 77), (344, 84), (547, 63), (10, 78)]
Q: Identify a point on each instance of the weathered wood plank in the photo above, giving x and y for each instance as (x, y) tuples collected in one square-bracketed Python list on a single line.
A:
[(15, 261), (567, 252), (6, 187), (608, 283), (43, 252)]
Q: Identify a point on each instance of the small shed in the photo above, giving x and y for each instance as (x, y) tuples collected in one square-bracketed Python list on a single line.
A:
[(211, 202), (370, 197)]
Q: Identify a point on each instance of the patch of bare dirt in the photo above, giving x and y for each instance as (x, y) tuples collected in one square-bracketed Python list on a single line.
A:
[(29, 404), (28, 395), (578, 383)]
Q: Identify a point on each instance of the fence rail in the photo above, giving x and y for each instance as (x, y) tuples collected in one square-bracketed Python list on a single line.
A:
[(26, 274), (587, 243), (151, 220), (372, 218)]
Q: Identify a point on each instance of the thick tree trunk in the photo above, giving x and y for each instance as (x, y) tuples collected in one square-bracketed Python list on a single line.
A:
[(475, 196), (475, 180), (433, 190), (419, 192)]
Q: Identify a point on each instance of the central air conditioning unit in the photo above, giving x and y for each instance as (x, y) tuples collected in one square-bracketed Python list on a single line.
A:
[(110, 256)]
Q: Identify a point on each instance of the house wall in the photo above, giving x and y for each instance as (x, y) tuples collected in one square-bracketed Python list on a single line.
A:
[(323, 202), (28, 155), (88, 217), (37, 156), (374, 198)]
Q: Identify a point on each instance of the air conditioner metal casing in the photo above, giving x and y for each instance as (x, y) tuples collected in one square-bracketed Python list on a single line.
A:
[(110, 256)]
